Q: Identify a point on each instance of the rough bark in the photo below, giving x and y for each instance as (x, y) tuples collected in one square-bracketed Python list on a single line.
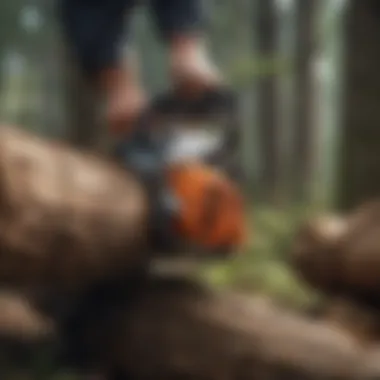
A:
[(359, 169), (161, 328), (303, 154), (340, 254), (267, 105), (176, 329), (67, 218)]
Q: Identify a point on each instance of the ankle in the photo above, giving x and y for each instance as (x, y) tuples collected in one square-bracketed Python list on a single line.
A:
[(185, 48), (192, 69), (186, 43), (125, 74)]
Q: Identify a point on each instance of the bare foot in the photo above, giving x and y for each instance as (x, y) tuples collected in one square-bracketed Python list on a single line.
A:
[(192, 69)]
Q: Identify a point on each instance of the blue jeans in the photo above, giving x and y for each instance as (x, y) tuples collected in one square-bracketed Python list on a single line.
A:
[(94, 29)]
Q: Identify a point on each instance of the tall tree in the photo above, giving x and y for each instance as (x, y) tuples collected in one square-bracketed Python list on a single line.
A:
[(303, 154), (266, 42), (360, 159)]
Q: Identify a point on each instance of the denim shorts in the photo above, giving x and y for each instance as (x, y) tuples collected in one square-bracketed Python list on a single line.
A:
[(94, 29)]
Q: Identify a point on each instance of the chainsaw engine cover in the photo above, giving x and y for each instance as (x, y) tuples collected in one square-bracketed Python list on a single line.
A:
[(186, 157)]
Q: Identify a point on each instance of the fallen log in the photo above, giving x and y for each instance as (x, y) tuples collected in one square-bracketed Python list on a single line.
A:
[(69, 219), (177, 329), (359, 319), (66, 218), (314, 251), (160, 328), (341, 254)]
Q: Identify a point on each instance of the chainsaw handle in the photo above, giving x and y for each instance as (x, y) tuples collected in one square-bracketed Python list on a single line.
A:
[(215, 104), (169, 106), (211, 103)]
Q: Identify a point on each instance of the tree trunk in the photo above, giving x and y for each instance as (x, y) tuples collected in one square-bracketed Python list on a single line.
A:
[(360, 160), (303, 157), (268, 134)]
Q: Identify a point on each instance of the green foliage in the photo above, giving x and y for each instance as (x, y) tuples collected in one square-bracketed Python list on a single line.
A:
[(244, 69), (263, 267)]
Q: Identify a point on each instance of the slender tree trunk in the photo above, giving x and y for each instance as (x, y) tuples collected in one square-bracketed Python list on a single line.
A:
[(303, 154), (360, 159), (266, 46)]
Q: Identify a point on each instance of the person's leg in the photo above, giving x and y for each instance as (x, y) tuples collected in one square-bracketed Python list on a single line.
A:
[(94, 30), (181, 24)]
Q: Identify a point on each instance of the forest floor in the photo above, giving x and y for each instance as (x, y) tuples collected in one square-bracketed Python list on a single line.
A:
[(263, 266)]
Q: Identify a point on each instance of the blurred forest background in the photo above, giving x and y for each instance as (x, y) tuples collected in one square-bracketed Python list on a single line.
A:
[(307, 72)]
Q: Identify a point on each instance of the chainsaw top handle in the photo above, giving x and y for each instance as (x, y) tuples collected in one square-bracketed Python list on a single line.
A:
[(214, 105)]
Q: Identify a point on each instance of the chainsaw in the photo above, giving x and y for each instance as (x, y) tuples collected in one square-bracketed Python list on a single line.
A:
[(187, 156)]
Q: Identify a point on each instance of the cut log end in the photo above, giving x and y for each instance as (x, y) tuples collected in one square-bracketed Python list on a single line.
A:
[(314, 250)]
